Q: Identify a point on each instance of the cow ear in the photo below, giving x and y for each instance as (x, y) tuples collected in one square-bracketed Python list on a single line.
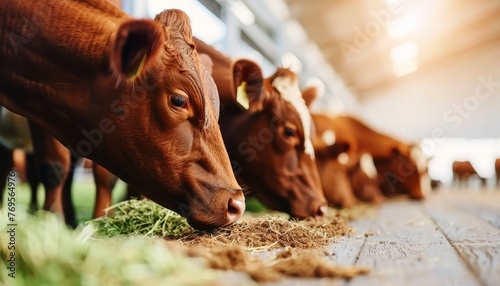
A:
[(135, 47), (249, 82), (309, 94)]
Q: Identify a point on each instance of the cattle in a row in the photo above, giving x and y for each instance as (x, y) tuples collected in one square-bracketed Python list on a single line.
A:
[(142, 103), (267, 131), (129, 94)]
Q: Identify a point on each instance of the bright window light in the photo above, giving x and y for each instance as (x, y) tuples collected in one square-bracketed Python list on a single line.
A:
[(206, 26), (405, 67), (403, 26), (404, 52), (242, 12), (295, 30)]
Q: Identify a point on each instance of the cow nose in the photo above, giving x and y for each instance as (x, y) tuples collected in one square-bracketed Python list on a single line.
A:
[(321, 212), (235, 208)]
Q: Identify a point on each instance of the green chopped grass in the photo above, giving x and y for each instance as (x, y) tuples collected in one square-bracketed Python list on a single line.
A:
[(140, 218), (48, 253)]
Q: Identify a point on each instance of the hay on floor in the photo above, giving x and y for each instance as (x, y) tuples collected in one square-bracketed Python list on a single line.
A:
[(268, 233), (293, 243)]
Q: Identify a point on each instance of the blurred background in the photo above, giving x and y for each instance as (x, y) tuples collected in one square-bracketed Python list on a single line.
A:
[(423, 71)]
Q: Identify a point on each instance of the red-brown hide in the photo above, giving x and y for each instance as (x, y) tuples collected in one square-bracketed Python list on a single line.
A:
[(399, 166), (129, 94), (267, 141)]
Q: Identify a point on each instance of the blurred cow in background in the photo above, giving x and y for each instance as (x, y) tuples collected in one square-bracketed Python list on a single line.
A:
[(401, 167), (463, 171), (497, 171), (343, 184)]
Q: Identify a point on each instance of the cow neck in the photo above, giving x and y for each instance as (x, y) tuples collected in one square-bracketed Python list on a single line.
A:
[(67, 45), (60, 50)]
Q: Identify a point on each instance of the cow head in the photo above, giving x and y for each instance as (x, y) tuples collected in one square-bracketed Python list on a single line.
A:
[(177, 148), (404, 171), (129, 94), (269, 141)]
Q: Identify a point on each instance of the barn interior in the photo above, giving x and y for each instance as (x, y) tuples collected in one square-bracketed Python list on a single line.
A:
[(424, 72), (421, 71)]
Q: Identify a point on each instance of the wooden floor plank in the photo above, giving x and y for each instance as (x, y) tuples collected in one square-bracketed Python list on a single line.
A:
[(470, 222), (407, 248), (451, 239), (346, 249)]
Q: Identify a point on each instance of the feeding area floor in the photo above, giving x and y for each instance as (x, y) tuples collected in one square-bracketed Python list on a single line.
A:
[(452, 238)]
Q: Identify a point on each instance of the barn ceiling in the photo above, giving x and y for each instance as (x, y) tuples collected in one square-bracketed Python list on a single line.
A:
[(374, 43)]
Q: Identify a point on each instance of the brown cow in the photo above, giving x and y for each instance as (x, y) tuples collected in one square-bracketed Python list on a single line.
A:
[(333, 173), (128, 94), (268, 135), (401, 168), (15, 133), (342, 183), (361, 181), (463, 171)]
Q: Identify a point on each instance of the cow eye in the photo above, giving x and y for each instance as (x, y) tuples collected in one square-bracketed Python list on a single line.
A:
[(178, 100), (289, 131)]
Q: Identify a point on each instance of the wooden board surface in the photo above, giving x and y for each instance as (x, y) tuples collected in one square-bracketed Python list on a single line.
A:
[(451, 239), (470, 221)]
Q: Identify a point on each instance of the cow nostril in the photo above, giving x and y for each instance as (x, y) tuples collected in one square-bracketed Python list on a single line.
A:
[(235, 209), (321, 212), (235, 206)]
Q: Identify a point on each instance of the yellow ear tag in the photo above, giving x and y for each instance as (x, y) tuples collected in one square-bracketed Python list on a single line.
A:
[(241, 95), (139, 68)]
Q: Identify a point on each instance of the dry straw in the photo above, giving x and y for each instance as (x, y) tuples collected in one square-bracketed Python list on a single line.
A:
[(285, 245)]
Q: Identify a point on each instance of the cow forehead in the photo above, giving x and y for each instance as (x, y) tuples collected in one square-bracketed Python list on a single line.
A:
[(289, 89)]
